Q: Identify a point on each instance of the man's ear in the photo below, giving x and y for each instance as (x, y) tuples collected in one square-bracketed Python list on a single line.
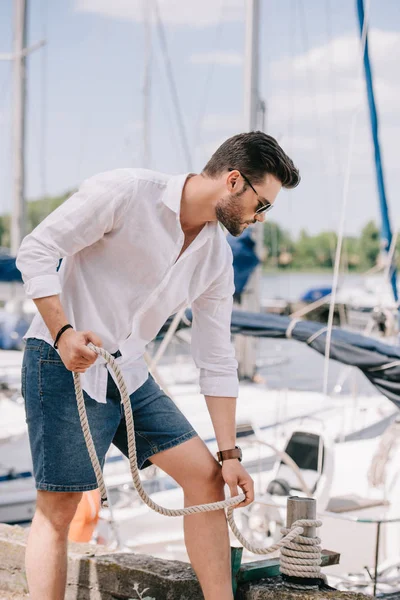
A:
[(232, 180)]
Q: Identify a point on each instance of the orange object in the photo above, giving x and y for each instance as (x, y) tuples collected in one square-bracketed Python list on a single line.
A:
[(86, 517)]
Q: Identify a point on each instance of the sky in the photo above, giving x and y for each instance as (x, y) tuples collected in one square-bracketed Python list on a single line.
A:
[(85, 96)]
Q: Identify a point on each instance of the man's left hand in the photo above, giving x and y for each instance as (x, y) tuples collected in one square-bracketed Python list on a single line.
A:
[(234, 475)]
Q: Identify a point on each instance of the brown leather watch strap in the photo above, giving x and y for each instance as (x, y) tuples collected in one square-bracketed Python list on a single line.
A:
[(228, 454)]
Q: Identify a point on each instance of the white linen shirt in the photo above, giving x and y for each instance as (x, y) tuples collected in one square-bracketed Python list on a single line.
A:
[(120, 237)]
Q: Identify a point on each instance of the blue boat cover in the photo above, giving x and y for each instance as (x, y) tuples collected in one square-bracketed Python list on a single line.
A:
[(245, 259), (8, 270), (314, 294)]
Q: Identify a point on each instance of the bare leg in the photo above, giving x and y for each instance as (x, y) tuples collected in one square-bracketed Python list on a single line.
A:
[(206, 534), (46, 553)]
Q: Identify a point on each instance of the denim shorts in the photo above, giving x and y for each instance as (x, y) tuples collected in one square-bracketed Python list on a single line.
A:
[(60, 458)]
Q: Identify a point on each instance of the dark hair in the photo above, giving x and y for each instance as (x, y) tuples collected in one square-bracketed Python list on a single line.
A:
[(255, 154)]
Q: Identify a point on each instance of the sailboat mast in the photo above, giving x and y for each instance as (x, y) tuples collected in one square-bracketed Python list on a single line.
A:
[(251, 70), (252, 101), (246, 347), (19, 117), (386, 231)]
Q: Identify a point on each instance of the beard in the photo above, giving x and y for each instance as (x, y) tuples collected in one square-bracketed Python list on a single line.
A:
[(229, 212)]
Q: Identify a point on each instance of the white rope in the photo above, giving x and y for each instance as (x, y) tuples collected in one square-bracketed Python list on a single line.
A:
[(292, 540), (390, 365), (345, 196), (315, 335), (387, 447), (302, 557), (292, 325)]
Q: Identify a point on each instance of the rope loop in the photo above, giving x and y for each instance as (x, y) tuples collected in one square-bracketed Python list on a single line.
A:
[(302, 557), (292, 540)]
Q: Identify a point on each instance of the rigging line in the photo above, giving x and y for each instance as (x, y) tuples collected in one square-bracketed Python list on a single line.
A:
[(5, 166), (345, 197), (197, 135), (336, 152), (293, 31), (173, 88), (311, 83), (6, 123), (292, 22), (101, 36), (147, 83), (165, 105)]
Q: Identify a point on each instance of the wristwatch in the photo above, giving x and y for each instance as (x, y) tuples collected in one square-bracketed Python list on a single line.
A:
[(235, 452)]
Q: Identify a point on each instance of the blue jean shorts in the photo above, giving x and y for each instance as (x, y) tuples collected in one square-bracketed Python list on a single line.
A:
[(60, 458)]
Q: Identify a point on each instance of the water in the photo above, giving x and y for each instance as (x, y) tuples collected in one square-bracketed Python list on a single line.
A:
[(291, 286), (291, 364)]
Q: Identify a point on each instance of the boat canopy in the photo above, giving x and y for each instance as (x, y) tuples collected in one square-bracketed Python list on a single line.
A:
[(379, 362)]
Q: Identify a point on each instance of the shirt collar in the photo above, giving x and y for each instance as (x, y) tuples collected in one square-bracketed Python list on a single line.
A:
[(173, 192), (172, 198)]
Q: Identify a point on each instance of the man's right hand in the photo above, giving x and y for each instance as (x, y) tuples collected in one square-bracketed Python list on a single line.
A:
[(74, 352)]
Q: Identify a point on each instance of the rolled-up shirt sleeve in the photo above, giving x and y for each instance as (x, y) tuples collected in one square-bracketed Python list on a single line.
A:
[(79, 222), (212, 349)]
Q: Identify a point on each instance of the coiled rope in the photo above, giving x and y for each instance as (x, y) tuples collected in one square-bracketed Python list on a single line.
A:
[(300, 555)]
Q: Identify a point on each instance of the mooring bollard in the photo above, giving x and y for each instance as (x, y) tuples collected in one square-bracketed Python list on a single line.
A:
[(301, 559)]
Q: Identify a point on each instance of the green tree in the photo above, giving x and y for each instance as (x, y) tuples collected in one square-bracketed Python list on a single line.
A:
[(304, 254), (350, 254), (324, 248), (5, 231), (278, 244), (36, 211), (369, 245)]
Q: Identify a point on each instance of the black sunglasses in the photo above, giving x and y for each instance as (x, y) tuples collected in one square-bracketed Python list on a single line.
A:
[(265, 204)]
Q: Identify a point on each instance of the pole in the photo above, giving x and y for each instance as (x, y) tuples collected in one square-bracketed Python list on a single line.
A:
[(378, 537), (252, 102), (246, 347), (302, 508), (19, 58), (251, 71)]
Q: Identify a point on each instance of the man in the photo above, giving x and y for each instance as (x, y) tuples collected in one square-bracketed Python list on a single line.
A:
[(136, 247)]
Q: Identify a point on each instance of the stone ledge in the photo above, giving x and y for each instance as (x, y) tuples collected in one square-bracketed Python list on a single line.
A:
[(95, 573), (272, 589)]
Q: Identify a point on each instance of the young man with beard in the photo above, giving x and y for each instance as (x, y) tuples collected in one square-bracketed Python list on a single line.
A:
[(136, 247)]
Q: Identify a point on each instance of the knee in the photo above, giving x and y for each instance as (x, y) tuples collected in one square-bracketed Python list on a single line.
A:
[(57, 509), (207, 484)]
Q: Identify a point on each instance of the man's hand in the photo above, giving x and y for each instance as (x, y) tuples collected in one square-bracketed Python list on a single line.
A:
[(234, 475), (74, 352)]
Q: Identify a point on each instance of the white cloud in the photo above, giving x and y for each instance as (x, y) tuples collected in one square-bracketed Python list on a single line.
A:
[(328, 79), (196, 13), (225, 59), (342, 57), (311, 108)]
